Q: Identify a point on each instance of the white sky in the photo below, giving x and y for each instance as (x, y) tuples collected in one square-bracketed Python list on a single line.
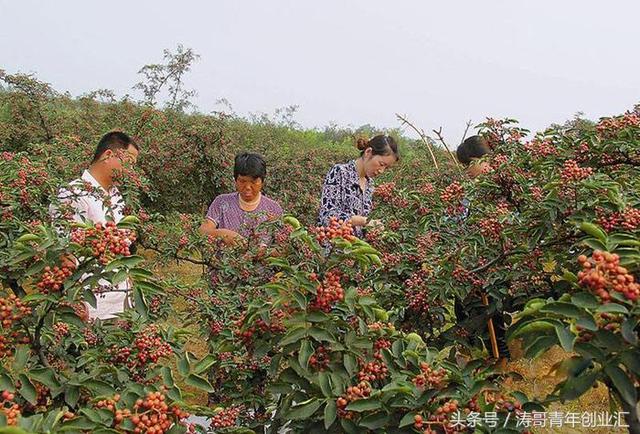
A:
[(348, 61)]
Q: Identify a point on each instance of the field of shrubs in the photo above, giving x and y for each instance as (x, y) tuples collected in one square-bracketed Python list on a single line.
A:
[(322, 331)]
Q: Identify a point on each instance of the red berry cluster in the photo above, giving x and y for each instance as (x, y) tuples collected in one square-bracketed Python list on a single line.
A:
[(503, 403), (385, 191), (372, 371), (629, 219), (90, 337), (12, 310), (394, 225), (572, 172), (453, 193), (106, 241), (603, 274), (427, 188), (379, 326), (465, 276), (226, 418), (319, 360), (335, 229), (430, 378), (52, 279), (391, 260), (609, 127), (282, 236), (537, 193), (61, 330), (374, 235), (354, 393), (152, 415), (420, 303), (10, 409), (541, 148), (498, 160), (491, 228), (328, 292), (148, 347), (215, 327)]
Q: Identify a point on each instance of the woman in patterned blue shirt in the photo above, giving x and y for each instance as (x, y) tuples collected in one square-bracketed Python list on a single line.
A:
[(348, 188)]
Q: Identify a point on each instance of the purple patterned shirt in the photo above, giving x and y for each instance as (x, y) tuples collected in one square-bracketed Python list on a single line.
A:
[(226, 213)]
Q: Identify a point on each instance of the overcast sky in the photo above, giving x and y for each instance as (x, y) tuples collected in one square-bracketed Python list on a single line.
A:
[(351, 62)]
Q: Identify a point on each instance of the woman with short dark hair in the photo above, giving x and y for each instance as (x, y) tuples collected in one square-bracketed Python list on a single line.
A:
[(348, 188), (234, 216)]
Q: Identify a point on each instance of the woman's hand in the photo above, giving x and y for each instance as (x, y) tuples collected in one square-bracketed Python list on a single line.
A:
[(358, 220)]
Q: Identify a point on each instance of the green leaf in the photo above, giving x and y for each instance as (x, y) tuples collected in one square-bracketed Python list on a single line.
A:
[(364, 405), (585, 300), (594, 244), (140, 302), (183, 365), (587, 323), (564, 309), (21, 357), (317, 316), (293, 336), (306, 350), (374, 421), (350, 363), (324, 380), (128, 262), (539, 346), (613, 308), (632, 361), (71, 395), (199, 382), (623, 384), (627, 330), (304, 410), (594, 231), (330, 411), (6, 383), (321, 335), (45, 376), (204, 364), (574, 387), (167, 377), (408, 419), (99, 387), (27, 390), (90, 297), (565, 337)]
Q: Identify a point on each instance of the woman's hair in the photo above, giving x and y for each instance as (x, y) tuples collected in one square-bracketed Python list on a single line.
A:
[(472, 147), (380, 145), (252, 165)]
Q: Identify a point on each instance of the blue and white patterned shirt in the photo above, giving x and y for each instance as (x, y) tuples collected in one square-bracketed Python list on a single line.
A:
[(342, 196)]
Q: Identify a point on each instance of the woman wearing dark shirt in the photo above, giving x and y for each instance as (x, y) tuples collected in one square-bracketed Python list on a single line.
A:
[(348, 187)]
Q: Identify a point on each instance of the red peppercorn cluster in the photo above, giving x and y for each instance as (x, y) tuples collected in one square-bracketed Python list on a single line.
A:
[(152, 415), (427, 188), (453, 193), (430, 378), (148, 347), (60, 329), (537, 193), (602, 274), (12, 310), (541, 148), (572, 172), (385, 191), (90, 337), (328, 292), (609, 127), (106, 241), (463, 275), (353, 393), (372, 371), (10, 409), (335, 229), (629, 219), (226, 418), (491, 228), (380, 326), (319, 360), (52, 279)]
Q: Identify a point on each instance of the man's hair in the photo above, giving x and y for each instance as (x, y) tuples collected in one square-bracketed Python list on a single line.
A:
[(472, 147), (248, 164), (113, 140)]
